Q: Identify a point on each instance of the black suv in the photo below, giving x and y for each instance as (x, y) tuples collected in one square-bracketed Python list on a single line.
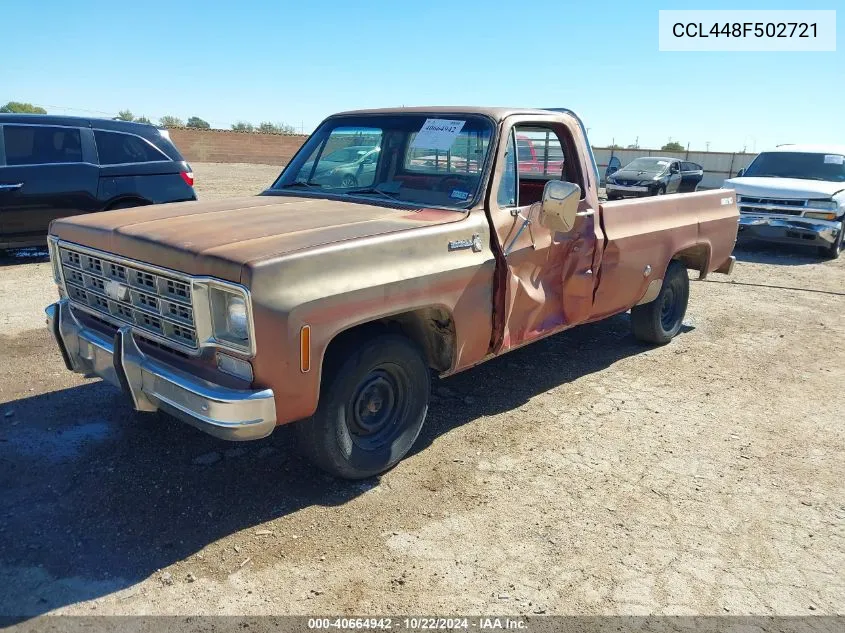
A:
[(55, 166)]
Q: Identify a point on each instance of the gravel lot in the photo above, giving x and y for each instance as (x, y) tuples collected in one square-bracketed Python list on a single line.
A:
[(586, 474)]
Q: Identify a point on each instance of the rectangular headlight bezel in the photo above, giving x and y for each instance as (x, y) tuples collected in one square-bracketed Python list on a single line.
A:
[(211, 315), (55, 260)]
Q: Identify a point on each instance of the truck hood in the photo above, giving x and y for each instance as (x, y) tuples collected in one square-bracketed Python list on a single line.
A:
[(785, 188), (220, 238)]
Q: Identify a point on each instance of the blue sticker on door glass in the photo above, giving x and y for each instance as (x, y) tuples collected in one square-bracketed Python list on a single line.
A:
[(459, 194)]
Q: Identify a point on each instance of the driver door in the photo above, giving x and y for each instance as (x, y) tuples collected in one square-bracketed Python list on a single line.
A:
[(548, 279), (674, 184)]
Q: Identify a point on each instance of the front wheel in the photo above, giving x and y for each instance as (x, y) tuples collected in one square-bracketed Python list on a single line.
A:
[(349, 181), (660, 320), (661, 190), (373, 403), (833, 251)]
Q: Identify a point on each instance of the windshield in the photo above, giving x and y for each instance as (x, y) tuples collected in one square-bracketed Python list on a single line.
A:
[(417, 159), (652, 165), (806, 166)]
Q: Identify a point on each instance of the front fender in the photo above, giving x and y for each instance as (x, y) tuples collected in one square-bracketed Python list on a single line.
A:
[(339, 286)]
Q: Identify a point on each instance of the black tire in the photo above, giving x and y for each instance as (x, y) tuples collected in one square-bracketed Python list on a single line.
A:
[(833, 251), (373, 402), (660, 320), (349, 181), (661, 191), (612, 198)]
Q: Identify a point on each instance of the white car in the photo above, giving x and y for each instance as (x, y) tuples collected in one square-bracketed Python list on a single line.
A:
[(794, 194)]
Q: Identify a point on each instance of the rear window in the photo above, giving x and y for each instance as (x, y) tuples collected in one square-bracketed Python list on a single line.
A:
[(116, 148), (41, 144)]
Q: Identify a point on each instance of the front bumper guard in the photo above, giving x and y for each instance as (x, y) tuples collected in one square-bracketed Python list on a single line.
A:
[(230, 414), (763, 226)]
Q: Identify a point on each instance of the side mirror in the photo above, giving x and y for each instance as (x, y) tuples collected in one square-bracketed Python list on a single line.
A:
[(559, 207), (740, 173)]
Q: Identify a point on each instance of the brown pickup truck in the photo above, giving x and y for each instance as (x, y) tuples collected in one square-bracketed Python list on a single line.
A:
[(329, 299)]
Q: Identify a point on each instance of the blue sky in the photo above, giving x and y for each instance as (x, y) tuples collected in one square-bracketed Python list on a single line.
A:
[(299, 62)]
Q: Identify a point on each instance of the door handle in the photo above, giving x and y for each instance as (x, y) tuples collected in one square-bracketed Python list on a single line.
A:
[(11, 187), (585, 214)]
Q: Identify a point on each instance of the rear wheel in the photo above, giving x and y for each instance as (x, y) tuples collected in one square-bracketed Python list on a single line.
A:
[(373, 403), (660, 320), (833, 251)]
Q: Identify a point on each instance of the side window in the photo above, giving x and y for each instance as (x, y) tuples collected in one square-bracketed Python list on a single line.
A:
[(506, 196), (539, 152), (116, 148), (41, 144), (524, 150)]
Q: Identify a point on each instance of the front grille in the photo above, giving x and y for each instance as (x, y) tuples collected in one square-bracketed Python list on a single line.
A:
[(779, 206), (786, 203), (126, 293)]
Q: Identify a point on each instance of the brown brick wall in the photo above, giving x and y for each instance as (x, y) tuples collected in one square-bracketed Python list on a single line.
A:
[(223, 146)]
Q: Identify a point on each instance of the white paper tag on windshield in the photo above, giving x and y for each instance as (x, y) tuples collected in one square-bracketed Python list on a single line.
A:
[(437, 134), (834, 159)]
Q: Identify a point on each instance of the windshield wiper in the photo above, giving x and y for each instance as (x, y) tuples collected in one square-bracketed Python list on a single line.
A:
[(300, 183), (370, 190)]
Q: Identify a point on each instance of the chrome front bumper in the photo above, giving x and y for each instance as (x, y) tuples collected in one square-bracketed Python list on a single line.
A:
[(626, 188), (790, 229), (230, 414)]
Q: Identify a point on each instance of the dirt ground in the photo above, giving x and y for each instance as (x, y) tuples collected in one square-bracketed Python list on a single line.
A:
[(585, 474)]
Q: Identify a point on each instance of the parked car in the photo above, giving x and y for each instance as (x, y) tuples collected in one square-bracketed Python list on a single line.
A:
[(653, 176), (794, 194), (56, 166), (539, 153), (329, 307), (348, 167)]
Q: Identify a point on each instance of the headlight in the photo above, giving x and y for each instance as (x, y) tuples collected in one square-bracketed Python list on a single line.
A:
[(230, 323), (822, 205), (236, 318), (644, 183)]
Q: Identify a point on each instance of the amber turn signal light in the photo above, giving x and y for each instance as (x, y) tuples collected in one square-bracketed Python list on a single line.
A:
[(305, 349)]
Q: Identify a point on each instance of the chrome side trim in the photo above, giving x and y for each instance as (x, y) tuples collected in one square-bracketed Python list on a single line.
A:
[(231, 414)]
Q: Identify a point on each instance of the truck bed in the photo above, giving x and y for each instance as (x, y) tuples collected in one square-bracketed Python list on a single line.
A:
[(699, 228)]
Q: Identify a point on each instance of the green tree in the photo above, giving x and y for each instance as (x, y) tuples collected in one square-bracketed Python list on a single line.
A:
[(673, 146), (243, 126), (276, 128), (143, 119), (197, 122), (170, 121), (125, 115), (24, 108)]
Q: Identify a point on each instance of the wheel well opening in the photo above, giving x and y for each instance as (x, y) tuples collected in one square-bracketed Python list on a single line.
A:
[(695, 258), (432, 329)]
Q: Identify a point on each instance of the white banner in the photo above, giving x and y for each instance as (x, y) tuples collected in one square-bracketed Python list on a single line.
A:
[(747, 30)]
